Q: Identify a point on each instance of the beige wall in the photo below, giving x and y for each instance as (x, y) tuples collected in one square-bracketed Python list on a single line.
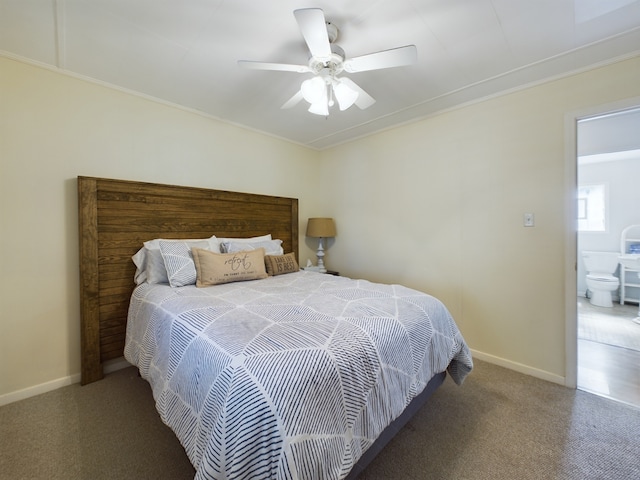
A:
[(54, 128), (438, 205)]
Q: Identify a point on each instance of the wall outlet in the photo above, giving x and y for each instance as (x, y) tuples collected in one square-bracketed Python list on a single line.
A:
[(529, 220)]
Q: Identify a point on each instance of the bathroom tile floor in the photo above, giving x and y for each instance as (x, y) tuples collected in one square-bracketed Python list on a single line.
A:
[(608, 369)]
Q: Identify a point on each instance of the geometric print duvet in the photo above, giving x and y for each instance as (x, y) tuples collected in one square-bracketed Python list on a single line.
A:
[(289, 377)]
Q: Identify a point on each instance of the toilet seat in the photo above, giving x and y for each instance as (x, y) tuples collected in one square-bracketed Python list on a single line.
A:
[(603, 277)]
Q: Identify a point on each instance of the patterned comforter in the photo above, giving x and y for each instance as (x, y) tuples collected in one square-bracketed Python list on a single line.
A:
[(290, 377)]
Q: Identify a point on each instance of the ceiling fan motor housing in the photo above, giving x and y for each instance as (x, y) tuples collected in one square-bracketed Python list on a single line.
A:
[(335, 64)]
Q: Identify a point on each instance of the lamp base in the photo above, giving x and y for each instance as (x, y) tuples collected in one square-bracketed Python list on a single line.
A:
[(320, 254)]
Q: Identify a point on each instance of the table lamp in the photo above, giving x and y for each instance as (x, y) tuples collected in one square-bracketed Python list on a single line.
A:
[(321, 228)]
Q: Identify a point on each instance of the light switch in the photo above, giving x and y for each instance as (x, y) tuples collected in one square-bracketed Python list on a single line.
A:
[(529, 220)]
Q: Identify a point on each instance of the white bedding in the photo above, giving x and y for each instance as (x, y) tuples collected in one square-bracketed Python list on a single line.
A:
[(290, 377)]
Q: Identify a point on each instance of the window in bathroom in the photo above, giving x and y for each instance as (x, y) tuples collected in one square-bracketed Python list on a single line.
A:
[(592, 208)]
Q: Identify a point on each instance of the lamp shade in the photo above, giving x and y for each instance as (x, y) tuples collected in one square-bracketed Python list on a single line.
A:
[(321, 227)]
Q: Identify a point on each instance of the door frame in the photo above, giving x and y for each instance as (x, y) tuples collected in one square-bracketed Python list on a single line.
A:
[(571, 231)]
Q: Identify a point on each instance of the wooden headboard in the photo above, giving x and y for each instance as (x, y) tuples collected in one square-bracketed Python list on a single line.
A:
[(116, 216)]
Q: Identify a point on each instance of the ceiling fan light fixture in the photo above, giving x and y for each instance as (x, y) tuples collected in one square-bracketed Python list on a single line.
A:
[(314, 90), (345, 95), (320, 108)]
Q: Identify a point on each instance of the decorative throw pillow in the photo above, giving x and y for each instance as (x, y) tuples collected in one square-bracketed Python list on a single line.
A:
[(216, 268), (279, 264), (271, 247), (178, 261), (150, 264)]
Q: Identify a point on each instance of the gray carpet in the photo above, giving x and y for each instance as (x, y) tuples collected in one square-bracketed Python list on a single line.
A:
[(498, 425)]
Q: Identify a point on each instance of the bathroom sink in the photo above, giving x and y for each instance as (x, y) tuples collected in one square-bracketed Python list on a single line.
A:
[(630, 261)]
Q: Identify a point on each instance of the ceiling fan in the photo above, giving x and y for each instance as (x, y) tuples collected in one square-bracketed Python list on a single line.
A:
[(327, 61)]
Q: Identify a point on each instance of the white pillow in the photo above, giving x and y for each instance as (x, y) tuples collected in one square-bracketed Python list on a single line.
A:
[(261, 238), (140, 261), (154, 267), (149, 263), (154, 244), (271, 247)]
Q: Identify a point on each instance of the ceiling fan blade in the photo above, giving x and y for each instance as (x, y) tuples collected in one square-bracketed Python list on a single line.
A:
[(281, 67), (293, 101), (364, 100), (395, 57), (314, 30)]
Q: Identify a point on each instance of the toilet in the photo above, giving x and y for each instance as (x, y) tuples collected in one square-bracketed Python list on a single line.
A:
[(600, 279)]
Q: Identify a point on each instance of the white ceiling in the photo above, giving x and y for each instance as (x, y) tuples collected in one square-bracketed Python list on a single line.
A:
[(609, 137), (185, 52)]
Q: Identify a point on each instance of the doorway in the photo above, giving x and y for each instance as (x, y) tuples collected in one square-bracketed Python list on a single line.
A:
[(608, 167)]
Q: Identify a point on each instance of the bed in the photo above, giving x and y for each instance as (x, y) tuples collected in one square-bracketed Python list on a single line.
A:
[(293, 375)]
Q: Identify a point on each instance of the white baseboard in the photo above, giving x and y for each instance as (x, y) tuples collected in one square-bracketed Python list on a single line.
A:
[(38, 389), (519, 367), (109, 367)]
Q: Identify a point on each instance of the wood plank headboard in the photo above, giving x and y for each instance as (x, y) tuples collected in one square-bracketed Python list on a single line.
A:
[(116, 216)]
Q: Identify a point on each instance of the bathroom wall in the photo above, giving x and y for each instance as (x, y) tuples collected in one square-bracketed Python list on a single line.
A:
[(621, 177)]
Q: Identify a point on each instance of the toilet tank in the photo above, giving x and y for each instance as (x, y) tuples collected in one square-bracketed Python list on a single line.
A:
[(601, 262)]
